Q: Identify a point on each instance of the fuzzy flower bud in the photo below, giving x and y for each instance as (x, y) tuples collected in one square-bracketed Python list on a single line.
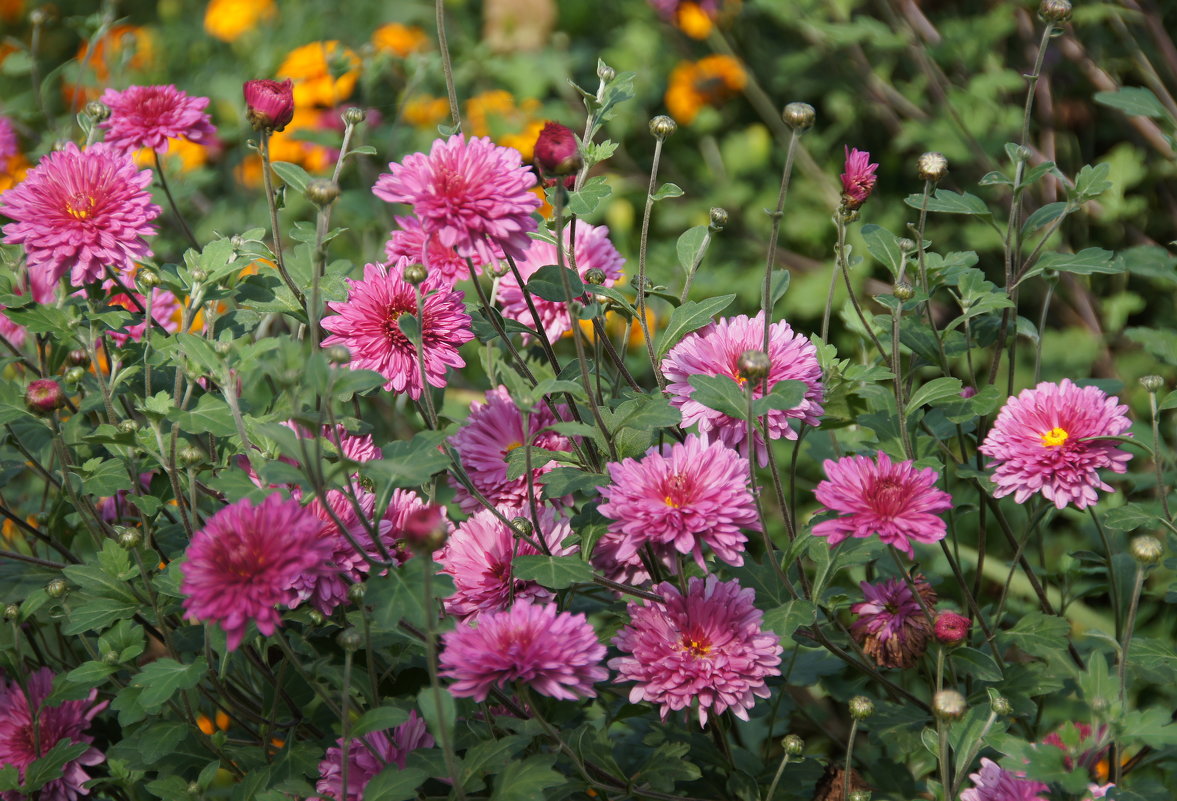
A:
[(861, 707), (355, 593), (596, 276), (338, 354), (1152, 383), (793, 745), (97, 111), (718, 219), (350, 639), (556, 151), (190, 456), (1055, 11), (858, 795), (1146, 549), (11, 612), (522, 526), (56, 588), (1001, 705), (128, 538), (949, 705), (270, 104), (903, 291), (425, 528), (932, 166), (754, 365), (354, 115), (951, 628), (415, 274), (147, 279), (662, 126), (605, 72), (322, 191), (44, 396), (127, 426), (78, 358), (799, 116), (74, 375)]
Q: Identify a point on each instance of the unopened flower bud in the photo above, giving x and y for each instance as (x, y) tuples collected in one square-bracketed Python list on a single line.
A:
[(556, 151), (858, 795), (931, 166), (949, 705), (793, 745), (74, 375), (754, 365), (127, 426), (38, 17), (78, 358), (861, 707), (906, 245), (662, 126), (951, 628), (1146, 549), (903, 290), (97, 111), (522, 526), (190, 456), (270, 104), (11, 612), (415, 274), (498, 269), (322, 191), (237, 241), (1152, 383), (222, 347), (354, 115), (44, 396), (198, 275), (718, 219), (110, 658), (605, 72), (56, 588), (194, 789), (128, 538), (596, 276), (1055, 11), (1001, 706), (338, 354), (146, 279), (350, 639), (355, 593), (60, 145), (317, 617), (425, 528), (799, 116)]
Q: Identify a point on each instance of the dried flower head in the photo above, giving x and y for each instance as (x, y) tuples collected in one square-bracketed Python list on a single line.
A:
[(891, 626)]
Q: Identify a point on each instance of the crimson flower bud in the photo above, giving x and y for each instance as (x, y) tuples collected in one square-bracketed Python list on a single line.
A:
[(951, 628), (44, 396), (556, 151), (271, 104), (425, 528)]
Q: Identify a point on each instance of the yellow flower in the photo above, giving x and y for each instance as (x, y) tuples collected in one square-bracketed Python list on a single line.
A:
[(426, 112), (287, 145), (400, 40), (496, 115), (189, 155), (707, 82), (229, 20), (13, 172), (693, 21), (617, 325), (324, 73)]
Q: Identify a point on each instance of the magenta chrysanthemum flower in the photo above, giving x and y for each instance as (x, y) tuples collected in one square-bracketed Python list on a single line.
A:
[(593, 251), (716, 350), (478, 555), (858, 180), (892, 627), (677, 499), (554, 653), (79, 212), (492, 431), (14, 333), (246, 560), (410, 241), (29, 729), (368, 756), (367, 325), (992, 783), (1041, 442), (147, 116), (473, 194), (897, 501), (706, 646), (9, 142)]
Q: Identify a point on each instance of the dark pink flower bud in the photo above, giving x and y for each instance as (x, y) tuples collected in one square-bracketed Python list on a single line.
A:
[(271, 103), (968, 392), (44, 397), (556, 151), (858, 181), (951, 628), (425, 528)]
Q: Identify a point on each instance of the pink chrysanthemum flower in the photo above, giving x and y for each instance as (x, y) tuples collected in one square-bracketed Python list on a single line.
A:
[(366, 323), (891, 626), (677, 499), (368, 756), (1041, 442), (26, 720), (992, 783), (9, 142), (716, 350), (409, 241), (14, 333), (246, 560), (478, 555), (554, 653), (858, 180), (705, 647), (593, 251), (80, 212), (492, 431), (472, 193), (897, 501), (147, 116)]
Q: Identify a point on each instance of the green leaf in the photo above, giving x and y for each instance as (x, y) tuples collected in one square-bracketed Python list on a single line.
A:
[(1155, 659), (488, 756), (553, 572), (357, 382), (645, 412), (1085, 262), (1091, 182), (668, 765), (783, 396), (721, 393), (1170, 402), (49, 767), (585, 202), (211, 415), (294, 175), (563, 481), (688, 317), (690, 246), (517, 460), (1129, 517), (1037, 634), (411, 463), (949, 202), (976, 663), (1044, 216), (1160, 343), (384, 717), (546, 283), (934, 390), (788, 617), (162, 678), (1152, 726), (398, 594), (394, 784), (90, 674), (527, 780), (884, 246), (427, 703), (89, 613), (97, 581), (667, 190), (1134, 101)]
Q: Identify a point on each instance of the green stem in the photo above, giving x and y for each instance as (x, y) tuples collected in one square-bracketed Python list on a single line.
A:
[(447, 66), (849, 755), (268, 184), (774, 234), (163, 182), (640, 284), (1162, 490), (443, 732), (777, 778)]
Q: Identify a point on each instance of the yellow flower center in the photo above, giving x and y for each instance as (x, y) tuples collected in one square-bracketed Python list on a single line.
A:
[(513, 446), (670, 502), (80, 207), (1054, 437), (696, 648)]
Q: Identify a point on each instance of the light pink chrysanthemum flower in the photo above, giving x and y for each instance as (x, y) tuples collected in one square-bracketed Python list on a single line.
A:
[(478, 555), (992, 783), (368, 756), (705, 647), (80, 212), (246, 560), (677, 499), (492, 431), (716, 350), (26, 719), (14, 333), (366, 323), (891, 625), (409, 241), (858, 180), (1040, 442), (593, 251), (554, 653), (9, 142), (897, 501), (472, 193), (147, 116)]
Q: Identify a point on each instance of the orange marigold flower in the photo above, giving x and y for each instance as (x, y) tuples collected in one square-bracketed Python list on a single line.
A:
[(205, 725), (426, 112), (707, 82), (495, 114), (400, 40), (13, 171), (98, 56), (189, 155), (324, 73), (223, 720), (692, 20), (229, 20)]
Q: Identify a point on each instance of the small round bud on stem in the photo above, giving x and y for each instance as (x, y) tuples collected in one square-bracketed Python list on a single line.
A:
[(350, 639), (190, 456), (932, 166), (38, 17), (605, 72), (596, 276), (11, 612), (322, 191), (792, 745), (425, 529), (858, 795), (78, 358), (222, 347), (1055, 11), (338, 354), (110, 658), (951, 628), (754, 365), (128, 538), (127, 426), (415, 274), (903, 290), (718, 219), (1001, 706), (1152, 383), (522, 526), (74, 375), (799, 116), (662, 126), (354, 115), (861, 707), (44, 396), (1146, 549), (56, 588), (147, 279), (906, 245), (237, 241), (269, 104), (949, 705), (355, 593), (198, 276), (97, 111), (556, 151), (317, 617)]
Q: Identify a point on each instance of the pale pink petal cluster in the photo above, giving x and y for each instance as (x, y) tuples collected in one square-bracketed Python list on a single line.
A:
[(554, 653), (410, 241), (1047, 440), (368, 756), (992, 783), (895, 500), (705, 649), (716, 350), (148, 116)]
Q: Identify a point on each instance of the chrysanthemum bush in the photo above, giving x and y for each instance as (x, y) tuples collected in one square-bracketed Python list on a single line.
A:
[(427, 481)]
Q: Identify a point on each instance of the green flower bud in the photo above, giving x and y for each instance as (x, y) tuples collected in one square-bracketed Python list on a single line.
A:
[(799, 116), (861, 707), (662, 126)]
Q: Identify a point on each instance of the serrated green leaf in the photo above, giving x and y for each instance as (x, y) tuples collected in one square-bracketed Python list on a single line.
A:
[(1130, 517), (688, 317), (721, 393), (211, 415), (784, 395), (49, 767), (948, 202), (294, 175), (394, 784), (161, 679), (586, 201), (547, 283), (1134, 101), (553, 572), (1037, 634), (566, 480), (976, 663), (526, 780), (934, 390), (384, 717), (489, 756)]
